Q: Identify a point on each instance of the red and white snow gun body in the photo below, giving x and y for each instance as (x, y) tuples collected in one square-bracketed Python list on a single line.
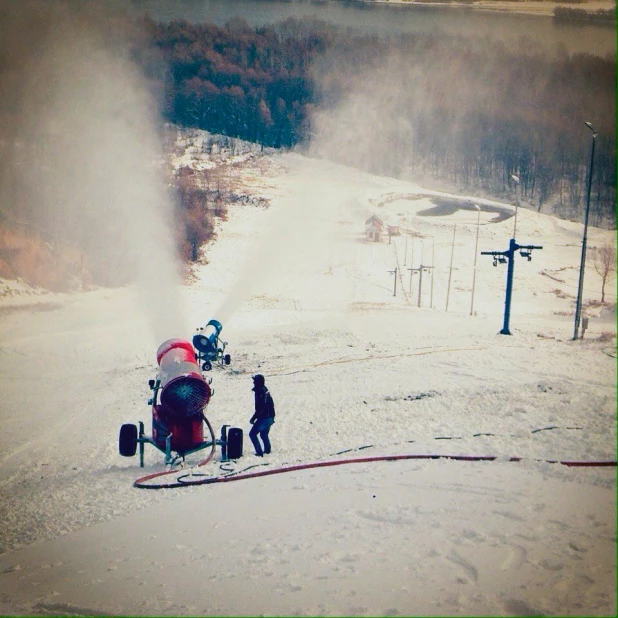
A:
[(180, 395)]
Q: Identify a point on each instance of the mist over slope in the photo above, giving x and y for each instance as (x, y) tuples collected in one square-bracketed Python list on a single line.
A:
[(81, 149), (355, 371), (362, 360)]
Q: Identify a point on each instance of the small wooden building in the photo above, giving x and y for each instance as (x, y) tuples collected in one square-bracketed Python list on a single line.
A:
[(374, 229)]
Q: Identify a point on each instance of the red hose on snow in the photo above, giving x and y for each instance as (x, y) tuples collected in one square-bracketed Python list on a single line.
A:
[(323, 464), (139, 482)]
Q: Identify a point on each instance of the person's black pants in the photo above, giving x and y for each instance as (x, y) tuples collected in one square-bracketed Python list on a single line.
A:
[(261, 428)]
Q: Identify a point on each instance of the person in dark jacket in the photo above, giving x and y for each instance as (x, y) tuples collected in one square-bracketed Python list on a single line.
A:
[(263, 417)]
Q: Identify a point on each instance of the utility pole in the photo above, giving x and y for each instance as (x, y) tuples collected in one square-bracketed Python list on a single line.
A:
[(420, 283), (412, 271), (411, 264), (432, 270), (419, 270), (394, 272), (517, 202), (502, 257), (476, 248), (580, 287), (450, 270)]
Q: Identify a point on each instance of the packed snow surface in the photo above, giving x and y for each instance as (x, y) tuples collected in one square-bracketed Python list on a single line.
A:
[(358, 367)]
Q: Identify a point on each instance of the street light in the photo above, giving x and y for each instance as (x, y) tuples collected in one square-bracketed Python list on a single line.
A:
[(412, 266), (516, 179), (476, 247), (580, 288), (450, 268)]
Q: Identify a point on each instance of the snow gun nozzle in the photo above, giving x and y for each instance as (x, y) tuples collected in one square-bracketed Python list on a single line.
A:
[(206, 340)]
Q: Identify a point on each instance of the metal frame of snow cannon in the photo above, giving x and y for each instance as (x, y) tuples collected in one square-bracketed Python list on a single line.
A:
[(210, 347), (139, 439), (180, 394), (170, 458)]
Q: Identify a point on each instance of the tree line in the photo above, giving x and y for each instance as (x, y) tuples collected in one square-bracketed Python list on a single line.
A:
[(248, 83), (582, 15), (472, 112)]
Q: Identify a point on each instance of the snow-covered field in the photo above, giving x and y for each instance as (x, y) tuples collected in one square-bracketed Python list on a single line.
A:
[(355, 371)]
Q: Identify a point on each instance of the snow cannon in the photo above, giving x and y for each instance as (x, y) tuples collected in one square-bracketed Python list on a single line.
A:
[(209, 346), (180, 394), (184, 391)]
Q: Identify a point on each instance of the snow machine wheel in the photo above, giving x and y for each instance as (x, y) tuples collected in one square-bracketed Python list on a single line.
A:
[(227, 359), (234, 443), (207, 366), (127, 441)]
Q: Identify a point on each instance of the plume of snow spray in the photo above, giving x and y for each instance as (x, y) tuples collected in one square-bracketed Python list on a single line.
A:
[(81, 148), (298, 236)]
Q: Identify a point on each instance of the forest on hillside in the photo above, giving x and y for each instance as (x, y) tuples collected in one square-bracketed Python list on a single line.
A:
[(470, 112), (81, 93), (583, 16)]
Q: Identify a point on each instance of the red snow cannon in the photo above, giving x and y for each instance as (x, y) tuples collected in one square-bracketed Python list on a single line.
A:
[(180, 394), (184, 391), (183, 395)]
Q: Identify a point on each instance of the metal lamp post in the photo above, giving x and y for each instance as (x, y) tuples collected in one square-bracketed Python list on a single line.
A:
[(516, 179), (450, 269), (433, 268), (433, 254), (411, 269), (476, 247), (580, 287)]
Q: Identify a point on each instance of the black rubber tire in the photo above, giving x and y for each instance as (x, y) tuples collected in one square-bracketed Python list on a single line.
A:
[(206, 366), (234, 443), (127, 441), (227, 359)]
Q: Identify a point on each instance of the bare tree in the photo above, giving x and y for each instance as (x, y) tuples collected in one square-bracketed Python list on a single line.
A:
[(605, 265)]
